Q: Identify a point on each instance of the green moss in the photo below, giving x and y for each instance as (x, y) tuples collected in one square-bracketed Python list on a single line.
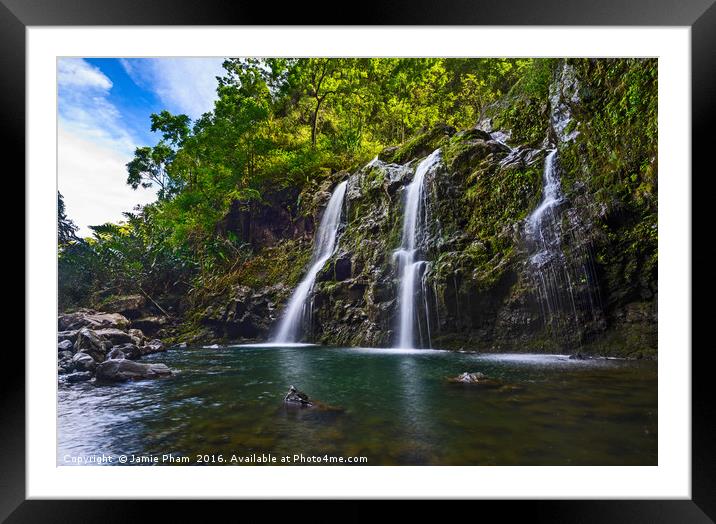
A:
[(284, 263), (420, 145), (526, 117)]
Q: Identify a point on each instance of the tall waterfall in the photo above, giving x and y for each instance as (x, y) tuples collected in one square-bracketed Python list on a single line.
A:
[(289, 330), (408, 255)]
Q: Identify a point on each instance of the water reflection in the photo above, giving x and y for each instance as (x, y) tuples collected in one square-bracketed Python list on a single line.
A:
[(393, 406)]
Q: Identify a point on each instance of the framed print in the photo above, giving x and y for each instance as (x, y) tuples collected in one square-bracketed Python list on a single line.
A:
[(458, 256)]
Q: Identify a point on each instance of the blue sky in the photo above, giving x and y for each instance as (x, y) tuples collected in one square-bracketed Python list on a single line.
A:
[(103, 115)]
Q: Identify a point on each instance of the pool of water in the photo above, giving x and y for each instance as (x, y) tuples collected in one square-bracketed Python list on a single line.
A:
[(396, 408)]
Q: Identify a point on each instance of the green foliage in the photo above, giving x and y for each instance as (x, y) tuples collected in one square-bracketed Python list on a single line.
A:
[(501, 198), (619, 134), (149, 168), (66, 228), (292, 123), (525, 108)]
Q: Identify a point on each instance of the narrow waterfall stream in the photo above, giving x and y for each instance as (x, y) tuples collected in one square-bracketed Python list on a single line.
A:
[(408, 255), (550, 273), (290, 327), (566, 288)]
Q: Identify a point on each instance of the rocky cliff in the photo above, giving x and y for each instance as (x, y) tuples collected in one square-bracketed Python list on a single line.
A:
[(488, 285)]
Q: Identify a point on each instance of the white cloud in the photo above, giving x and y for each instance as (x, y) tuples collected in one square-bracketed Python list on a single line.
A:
[(93, 181), (184, 85), (94, 140), (75, 72), (94, 145), (84, 106)]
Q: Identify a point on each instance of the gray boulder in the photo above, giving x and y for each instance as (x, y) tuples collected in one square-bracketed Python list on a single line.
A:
[(83, 362), (149, 325), (137, 336), (67, 335), (79, 376), (115, 354), (65, 345), (128, 305), (476, 379), (124, 370), (65, 365), (115, 336), (295, 396), (154, 346), (130, 351), (91, 319), (89, 342)]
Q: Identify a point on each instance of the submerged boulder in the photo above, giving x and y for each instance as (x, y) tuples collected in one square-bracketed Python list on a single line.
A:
[(78, 376), (124, 370)]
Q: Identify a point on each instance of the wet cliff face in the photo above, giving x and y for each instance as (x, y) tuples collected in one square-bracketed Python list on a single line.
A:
[(265, 224), (484, 286), (474, 202)]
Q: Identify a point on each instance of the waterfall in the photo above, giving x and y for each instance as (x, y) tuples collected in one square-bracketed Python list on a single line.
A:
[(289, 330), (541, 224), (564, 287), (551, 274), (408, 255)]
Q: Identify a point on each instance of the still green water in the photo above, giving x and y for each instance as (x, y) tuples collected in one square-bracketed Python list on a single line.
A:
[(398, 408)]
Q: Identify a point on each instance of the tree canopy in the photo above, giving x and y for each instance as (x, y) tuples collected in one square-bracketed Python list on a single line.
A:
[(279, 123)]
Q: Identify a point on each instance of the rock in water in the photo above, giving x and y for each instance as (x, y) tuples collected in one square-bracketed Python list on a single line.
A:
[(579, 356), (92, 344), (79, 376), (83, 362), (477, 378), (130, 351), (124, 370), (295, 396), (153, 346)]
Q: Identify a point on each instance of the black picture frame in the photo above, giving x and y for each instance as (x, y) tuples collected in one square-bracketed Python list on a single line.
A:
[(699, 15)]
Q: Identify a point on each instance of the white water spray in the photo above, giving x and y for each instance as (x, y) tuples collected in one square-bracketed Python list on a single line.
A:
[(289, 330), (407, 254)]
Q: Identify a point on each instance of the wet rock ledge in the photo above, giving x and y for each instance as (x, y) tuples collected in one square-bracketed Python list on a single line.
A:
[(104, 346)]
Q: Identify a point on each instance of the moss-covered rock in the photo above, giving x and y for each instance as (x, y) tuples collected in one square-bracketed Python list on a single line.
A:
[(479, 285)]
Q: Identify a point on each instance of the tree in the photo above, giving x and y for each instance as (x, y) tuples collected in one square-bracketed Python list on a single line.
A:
[(316, 78), (149, 167), (174, 128), (66, 228)]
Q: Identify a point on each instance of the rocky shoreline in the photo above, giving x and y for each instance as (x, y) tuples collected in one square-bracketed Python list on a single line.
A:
[(104, 346)]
